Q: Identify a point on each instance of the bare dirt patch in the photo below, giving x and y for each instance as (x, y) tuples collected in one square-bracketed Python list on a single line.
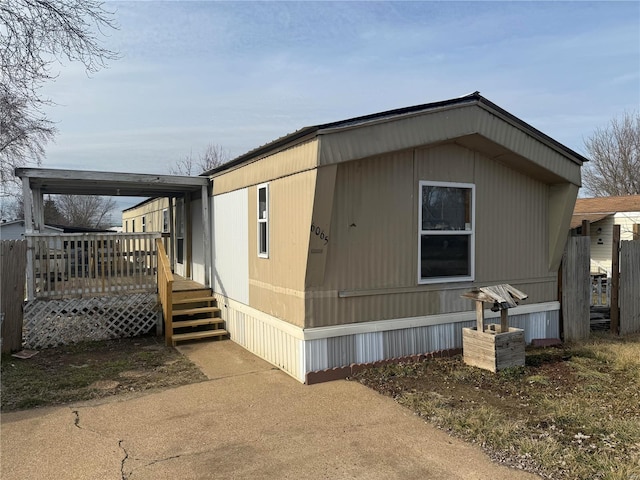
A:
[(92, 370), (570, 413)]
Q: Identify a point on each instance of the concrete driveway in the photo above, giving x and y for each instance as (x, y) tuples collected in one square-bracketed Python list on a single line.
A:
[(248, 420)]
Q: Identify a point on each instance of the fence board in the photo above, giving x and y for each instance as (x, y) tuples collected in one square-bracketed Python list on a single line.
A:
[(629, 296), (576, 289), (12, 283)]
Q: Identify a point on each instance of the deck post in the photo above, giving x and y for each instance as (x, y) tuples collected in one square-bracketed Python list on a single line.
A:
[(28, 207), (28, 228), (38, 210), (206, 240)]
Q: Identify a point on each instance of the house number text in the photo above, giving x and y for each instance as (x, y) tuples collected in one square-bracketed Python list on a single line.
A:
[(320, 233)]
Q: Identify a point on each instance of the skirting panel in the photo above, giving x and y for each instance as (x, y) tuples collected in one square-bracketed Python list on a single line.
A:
[(271, 339), (289, 347), (369, 347)]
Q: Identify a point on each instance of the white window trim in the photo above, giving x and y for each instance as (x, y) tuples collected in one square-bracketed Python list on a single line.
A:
[(264, 254), (144, 223), (471, 233)]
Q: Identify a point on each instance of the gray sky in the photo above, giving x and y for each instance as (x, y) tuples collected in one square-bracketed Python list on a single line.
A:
[(240, 74)]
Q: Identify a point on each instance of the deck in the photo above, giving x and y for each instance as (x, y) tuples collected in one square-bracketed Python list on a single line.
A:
[(181, 284)]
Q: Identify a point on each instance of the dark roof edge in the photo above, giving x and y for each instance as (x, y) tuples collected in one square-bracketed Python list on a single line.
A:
[(139, 204), (289, 140), (536, 133), (261, 151)]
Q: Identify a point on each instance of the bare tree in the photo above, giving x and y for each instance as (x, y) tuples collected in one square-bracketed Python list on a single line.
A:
[(35, 35), (23, 134), (614, 151), (85, 210), (184, 166), (213, 156)]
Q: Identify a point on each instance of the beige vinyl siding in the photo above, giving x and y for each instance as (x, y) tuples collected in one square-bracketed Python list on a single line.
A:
[(276, 284), (511, 224), (288, 162), (372, 244), (481, 128), (152, 211), (372, 255)]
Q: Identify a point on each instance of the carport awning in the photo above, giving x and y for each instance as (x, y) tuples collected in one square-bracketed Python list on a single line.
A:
[(577, 219), (85, 182)]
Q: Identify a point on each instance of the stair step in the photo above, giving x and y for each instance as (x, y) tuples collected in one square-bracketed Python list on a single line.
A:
[(180, 337), (186, 295), (194, 311), (197, 323), (194, 300)]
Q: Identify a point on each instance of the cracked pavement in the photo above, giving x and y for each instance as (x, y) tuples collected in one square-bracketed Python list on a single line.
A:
[(247, 421)]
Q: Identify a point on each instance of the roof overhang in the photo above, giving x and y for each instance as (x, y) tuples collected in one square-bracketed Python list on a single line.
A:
[(471, 121), (86, 182), (474, 124)]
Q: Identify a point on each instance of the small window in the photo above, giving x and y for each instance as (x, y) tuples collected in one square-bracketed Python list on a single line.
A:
[(144, 223), (446, 232), (165, 220), (126, 225), (263, 221), (133, 225)]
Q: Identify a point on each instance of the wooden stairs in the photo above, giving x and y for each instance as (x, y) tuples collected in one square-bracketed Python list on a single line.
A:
[(195, 316)]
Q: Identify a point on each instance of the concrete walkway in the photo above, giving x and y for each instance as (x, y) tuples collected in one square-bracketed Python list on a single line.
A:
[(248, 420)]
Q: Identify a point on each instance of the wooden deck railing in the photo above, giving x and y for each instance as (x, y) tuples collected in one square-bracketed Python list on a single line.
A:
[(165, 290), (70, 264)]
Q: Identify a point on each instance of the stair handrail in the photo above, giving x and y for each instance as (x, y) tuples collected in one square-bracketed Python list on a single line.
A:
[(165, 290)]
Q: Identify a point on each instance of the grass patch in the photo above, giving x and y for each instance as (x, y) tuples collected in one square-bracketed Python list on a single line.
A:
[(569, 413), (91, 370)]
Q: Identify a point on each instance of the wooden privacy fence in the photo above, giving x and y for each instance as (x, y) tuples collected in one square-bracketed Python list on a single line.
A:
[(63, 265), (629, 293), (576, 288), (12, 283)]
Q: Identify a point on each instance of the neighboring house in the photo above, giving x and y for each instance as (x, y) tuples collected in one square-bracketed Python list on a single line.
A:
[(603, 213), (14, 230), (150, 215), (352, 241)]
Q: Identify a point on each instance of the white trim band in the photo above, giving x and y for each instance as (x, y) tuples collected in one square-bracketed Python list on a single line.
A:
[(318, 333)]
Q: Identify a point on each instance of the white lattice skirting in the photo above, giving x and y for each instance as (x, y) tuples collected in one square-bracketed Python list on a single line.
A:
[(49, 323)]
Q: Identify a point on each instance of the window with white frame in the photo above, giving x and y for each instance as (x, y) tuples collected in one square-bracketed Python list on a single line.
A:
[(144, 223), (263, 220), (446, 227)]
